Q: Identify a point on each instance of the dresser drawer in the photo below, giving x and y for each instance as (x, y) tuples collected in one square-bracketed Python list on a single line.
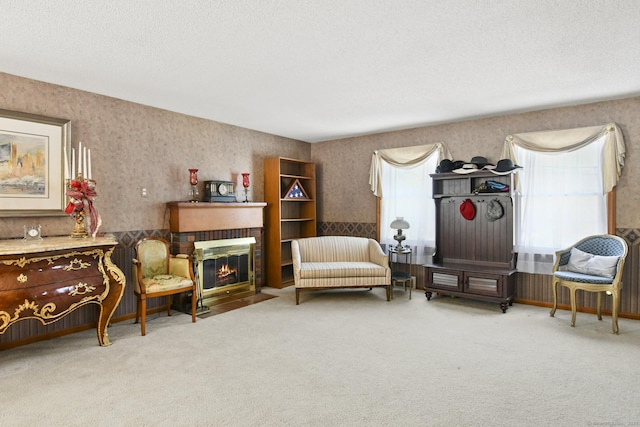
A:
[(22, 272), (49, 301)]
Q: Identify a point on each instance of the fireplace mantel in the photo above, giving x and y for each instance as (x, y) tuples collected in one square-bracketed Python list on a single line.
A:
[(185, 217)]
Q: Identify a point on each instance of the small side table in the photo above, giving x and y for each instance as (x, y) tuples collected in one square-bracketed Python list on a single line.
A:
[(401, 276)]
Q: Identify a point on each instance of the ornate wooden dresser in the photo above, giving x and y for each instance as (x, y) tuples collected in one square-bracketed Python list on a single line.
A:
[(49, 278)]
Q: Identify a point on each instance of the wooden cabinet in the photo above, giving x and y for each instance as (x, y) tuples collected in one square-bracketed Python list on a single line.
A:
[(474, 257), (290, 193), (477, 282), (49, 279)]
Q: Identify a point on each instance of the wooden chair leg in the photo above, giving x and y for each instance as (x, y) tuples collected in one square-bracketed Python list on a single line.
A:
[(572, 291), (297, 296), (599, 309), (138, 304), (143, 315), (554, 291), (168, 305), (615, 306), (193, 306)]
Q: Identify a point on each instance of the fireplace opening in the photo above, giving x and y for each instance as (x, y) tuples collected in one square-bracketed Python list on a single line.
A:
[(224, 268)]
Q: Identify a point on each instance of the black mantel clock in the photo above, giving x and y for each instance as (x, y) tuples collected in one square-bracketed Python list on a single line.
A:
[(219, 191)]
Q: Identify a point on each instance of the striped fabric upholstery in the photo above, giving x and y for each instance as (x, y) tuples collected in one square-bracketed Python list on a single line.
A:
[(339, 261), (334, 249), (316, 270)]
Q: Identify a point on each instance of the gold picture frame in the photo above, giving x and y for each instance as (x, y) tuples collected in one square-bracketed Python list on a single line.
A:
[(33, 164)]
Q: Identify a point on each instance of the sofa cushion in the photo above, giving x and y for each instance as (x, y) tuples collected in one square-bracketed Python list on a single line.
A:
[(334, 249), (318, 270)]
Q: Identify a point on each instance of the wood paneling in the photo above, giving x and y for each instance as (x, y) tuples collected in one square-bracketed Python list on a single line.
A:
[(536, 289)]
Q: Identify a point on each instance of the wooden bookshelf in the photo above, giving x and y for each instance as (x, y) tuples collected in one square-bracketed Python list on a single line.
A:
[(290, 193)]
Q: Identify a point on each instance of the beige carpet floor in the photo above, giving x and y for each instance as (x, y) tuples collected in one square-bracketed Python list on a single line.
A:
[(341, 358)]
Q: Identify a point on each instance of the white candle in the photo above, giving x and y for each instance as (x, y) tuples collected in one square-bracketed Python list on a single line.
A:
[(66, 164), (84, 163), (73, 160), (89, 176), (80, 157)]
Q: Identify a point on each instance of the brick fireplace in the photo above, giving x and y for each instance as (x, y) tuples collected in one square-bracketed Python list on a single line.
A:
[(206, 222)]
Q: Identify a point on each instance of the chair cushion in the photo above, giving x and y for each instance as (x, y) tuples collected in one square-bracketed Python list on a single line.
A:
[(166, 282), (590, 264), (582, 278)]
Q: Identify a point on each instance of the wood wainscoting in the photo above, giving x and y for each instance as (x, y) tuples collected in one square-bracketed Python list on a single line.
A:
[(535, 289)]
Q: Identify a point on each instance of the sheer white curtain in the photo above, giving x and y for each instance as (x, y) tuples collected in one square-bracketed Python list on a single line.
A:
[(562, 189), (401, 178)]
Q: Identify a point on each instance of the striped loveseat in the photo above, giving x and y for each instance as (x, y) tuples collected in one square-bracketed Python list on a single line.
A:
[(330, 262)]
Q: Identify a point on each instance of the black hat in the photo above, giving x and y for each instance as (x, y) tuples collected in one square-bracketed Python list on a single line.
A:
[(445, 166), (480, 161), (504, 167)]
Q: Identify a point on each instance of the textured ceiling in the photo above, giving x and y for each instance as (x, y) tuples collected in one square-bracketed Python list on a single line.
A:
[(318, 70)]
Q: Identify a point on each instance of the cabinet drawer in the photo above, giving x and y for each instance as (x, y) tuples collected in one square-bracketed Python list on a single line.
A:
[(483, 284), (48, 302), (451, 281), (16, 274)]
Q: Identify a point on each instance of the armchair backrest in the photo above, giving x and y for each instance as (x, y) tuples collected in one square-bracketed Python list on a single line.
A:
[(153, 256), (602, 245)]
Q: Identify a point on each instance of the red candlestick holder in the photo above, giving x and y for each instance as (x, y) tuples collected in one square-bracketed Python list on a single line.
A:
[(245, 184)]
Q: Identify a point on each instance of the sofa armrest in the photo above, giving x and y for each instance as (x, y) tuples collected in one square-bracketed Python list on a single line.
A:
[(295, 257), (377, 255)]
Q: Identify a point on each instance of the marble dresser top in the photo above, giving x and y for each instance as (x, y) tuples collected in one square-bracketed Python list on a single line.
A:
[(20, 246)]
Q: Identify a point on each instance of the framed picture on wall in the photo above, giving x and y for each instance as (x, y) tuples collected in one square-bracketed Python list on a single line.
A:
[(33, 164)]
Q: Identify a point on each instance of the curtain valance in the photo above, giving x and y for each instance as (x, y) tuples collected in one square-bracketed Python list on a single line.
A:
[(573, 139), (402, 157)]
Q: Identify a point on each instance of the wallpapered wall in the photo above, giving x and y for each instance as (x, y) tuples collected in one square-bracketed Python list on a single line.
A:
[(343, 166), (135, 146)]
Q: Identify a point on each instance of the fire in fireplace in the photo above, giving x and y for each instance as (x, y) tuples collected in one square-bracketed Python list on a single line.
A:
[(224, 268)]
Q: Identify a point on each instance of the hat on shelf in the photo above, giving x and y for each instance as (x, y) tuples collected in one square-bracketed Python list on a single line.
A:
[(505, 167), (481, 162), (466, 168), (468, 210), (476, 163), (447, 165), (494, 210)]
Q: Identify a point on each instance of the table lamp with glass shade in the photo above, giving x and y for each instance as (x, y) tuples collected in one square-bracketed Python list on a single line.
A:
[(399, 224)]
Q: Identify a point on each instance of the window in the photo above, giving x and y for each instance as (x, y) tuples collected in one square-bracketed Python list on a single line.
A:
[(400, 177), (561, 191)]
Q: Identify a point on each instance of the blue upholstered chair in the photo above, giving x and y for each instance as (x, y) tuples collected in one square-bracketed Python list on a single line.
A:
[(594, 264)]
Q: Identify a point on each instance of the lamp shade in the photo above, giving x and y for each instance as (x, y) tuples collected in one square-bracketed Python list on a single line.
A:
[(399, 224)]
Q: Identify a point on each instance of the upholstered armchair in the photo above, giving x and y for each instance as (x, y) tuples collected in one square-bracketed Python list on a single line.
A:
[(157, 273), (594, 264)]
